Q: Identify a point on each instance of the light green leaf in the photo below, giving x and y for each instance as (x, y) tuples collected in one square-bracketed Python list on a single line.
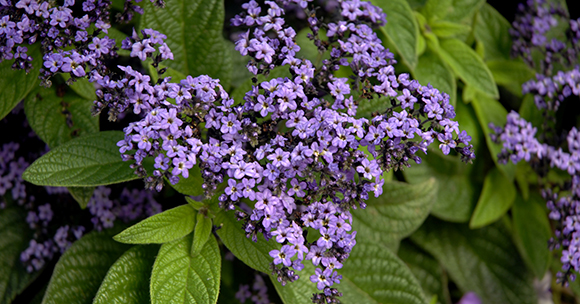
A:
[(15, 237), (239, 71), (81, 269), (195, 204), (82, 87), (371, 275), (87, 161), (253, 254), (307, 48), (367, 107), (496, 198), (194, 35), (57, 120), (492, 31), (489, 110), (468, 66), (436, 9), (190, 185), (457, 194), (16, 84), (483, 260), (446, 29), (401, 29), (397, 213), (127, 281), (426, 269), (511, 74), (179, 277), (202, 232), (82, 195), (462, 10), (431, 69), (164, 227), (532, 232)]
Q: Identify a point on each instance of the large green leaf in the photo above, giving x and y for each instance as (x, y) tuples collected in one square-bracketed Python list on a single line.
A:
[(160, 228), (484, 260), (202, 232), (194, 34), (82, 87), (82, 195), (457, 194), (431, 69), (179, 277), (446, 29), (371, 275), (127, 281), (87, 161), (15, 237), (510, 74), (307, 48), (81, 269), (463, 9), (426, 269), (253, 254), (492, 30), (190, 185), (497, 196), (16, 84), (57, 120), (532, 231), (466, 64), (397, 213), (401, 28)]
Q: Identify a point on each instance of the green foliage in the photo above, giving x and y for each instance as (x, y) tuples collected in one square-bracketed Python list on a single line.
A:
[(190, 185), (492, 31), (161, 228), (202, 232), (194, 34), (180, 277), (431, 69), (446, 29), (496, 198), (82, 195), (87, 161), (127, 281), (81, 269), (82, 87), (510, 74), (16, 84), (484, 260)]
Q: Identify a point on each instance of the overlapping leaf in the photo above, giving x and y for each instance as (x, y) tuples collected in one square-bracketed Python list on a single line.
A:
[(496, 198), (492, 30), (431, 69)]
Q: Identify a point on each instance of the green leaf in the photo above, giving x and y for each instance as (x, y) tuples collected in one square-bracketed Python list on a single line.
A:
[(194, 35), (239, 93), (372, 274), (496, 198), (164, 227), (397, 213), (457, 194), (195, 204), (91, 160), (307, 48), (82, 195), (202, 232), (431, 69), (530, 112), (462, 10), (190, 185), (510, 74), (82, 87), (367, 107), (57, 120), (127, 281), (468, 66), (446, 29), (16, 84), (81, 269), (532, 232), (484, 260), (401, 29), (436, 9), (492, 31), (15, 237), (489, 110), (239, 71), (179, 277), (426, 269)]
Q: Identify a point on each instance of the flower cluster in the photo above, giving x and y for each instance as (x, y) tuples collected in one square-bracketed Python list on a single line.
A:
[(293, 148), (258, 294)]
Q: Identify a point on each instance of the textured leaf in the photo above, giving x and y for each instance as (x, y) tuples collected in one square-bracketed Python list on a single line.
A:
[(253, 254), (426, 269), (367, 107), (436, 9), (191, 185), (239, 71), (127, 281), (401, 28), (484, 260), (457, 194), (446, 29), (202, 232), (397, 213), (87, 161), (57, 120), (15, 237), (371, 275), (463, 9), (307, 48), (164, 227), (431, 69), (82, 87), (16, 84), (81, 269), (510, 74), (532, 231), (492, 30), (468, 66), (194, 35), (82, 195), (497, 196), (179, 277)]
